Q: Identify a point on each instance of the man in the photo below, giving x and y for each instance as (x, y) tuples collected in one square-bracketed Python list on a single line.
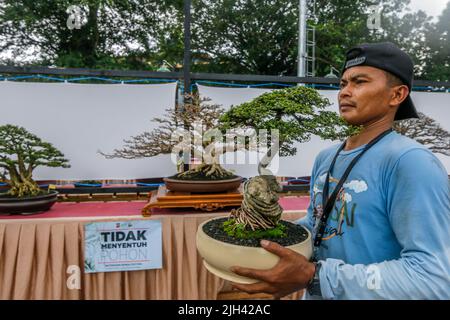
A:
[(387, 231)]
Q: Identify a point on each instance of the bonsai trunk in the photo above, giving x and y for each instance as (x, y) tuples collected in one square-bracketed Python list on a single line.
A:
[(22, 185), (260, 209), (214, 171), (209, 168)]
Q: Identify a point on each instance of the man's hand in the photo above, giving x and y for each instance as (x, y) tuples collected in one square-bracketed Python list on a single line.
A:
[(292, 273)]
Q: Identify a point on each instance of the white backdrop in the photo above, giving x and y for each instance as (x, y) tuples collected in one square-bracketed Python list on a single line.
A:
[(435, 105), (80, 119)]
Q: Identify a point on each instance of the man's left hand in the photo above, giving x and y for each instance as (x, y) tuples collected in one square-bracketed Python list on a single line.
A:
[(293, 272)]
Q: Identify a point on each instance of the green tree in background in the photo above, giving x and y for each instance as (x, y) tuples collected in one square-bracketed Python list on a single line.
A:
[(437, 64), (228, 36), (342, 24), (254, 36), (260, 36), (115, 33)]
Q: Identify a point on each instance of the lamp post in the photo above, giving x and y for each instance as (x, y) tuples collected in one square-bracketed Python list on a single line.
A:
[(301, 69), (187, 46), (187, 67)]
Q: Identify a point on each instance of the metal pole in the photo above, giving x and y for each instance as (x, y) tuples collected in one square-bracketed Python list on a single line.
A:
[(187, 46), (301, 70), (187, 68)]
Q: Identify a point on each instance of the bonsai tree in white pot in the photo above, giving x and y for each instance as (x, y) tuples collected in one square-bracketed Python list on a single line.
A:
[(297, 113), (21, 152)]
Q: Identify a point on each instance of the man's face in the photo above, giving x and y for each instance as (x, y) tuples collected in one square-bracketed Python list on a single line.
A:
[(365, 96)]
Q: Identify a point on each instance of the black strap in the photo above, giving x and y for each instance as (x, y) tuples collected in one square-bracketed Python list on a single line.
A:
[(328, 203)]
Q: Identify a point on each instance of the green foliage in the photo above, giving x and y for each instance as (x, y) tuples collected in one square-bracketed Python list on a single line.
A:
[(253, 36), (239, 231), (342, 24), (20, 153), (297, 112), (114, 33), (228, 36), (437, 65), (260, 36)]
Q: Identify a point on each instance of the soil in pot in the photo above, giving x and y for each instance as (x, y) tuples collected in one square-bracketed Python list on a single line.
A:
[(294, 234), (201, 176)]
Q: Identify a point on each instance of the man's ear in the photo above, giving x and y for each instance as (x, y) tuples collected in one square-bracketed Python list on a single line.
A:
[(399, 94)]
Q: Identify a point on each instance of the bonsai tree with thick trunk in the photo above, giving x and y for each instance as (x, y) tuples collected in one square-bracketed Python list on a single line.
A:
[(20, 153), (196, 125), (296, 113)]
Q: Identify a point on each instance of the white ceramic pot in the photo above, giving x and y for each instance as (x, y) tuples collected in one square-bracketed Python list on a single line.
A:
[(219, 256)]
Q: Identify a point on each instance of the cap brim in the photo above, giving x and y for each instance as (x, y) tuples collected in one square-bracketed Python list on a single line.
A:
[(406, 110)]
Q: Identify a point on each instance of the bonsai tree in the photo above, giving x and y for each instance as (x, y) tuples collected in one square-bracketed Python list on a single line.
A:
[(20, 153), (426, 131), (297, 113), (203, 140)]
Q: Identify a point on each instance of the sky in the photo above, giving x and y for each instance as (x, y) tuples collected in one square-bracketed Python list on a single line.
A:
[(431, 7)]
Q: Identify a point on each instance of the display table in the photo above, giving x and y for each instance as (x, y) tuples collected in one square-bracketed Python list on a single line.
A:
[(36, 251)]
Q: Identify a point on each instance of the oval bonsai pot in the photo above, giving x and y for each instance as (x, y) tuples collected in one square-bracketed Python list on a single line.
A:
[(27, 205), (203, 186), (219, 256)]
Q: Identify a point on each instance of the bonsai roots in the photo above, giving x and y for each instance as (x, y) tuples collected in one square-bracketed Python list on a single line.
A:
[(260, 208), (23, 189), (209, 171)]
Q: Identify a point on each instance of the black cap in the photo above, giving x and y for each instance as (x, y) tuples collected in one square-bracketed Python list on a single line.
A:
[(388, 57)]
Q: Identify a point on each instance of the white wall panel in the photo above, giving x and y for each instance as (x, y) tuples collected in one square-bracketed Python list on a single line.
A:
[(80, 119), (435, 105)]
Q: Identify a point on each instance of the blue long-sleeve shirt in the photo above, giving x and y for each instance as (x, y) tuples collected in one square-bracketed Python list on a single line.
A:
[(388, 236)]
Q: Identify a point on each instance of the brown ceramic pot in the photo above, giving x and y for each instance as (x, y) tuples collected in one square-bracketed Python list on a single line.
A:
[(202, 186)]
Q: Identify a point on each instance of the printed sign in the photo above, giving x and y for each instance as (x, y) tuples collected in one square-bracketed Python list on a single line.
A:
[(123, 246)]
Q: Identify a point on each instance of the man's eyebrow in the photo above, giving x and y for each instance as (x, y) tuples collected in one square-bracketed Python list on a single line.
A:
[(357, 76)]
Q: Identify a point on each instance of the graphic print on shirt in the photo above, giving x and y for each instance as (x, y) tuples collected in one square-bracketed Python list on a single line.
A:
[(344, 207)]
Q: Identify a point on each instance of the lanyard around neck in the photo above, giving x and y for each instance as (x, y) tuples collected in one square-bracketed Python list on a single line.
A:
[(328, 203)]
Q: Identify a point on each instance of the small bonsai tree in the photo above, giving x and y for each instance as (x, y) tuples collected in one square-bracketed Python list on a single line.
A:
[(297, 113), (202, 120), (20, 153)]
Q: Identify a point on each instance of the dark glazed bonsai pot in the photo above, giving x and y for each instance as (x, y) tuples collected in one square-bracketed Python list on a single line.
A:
[(27, 205), (203, 186)]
